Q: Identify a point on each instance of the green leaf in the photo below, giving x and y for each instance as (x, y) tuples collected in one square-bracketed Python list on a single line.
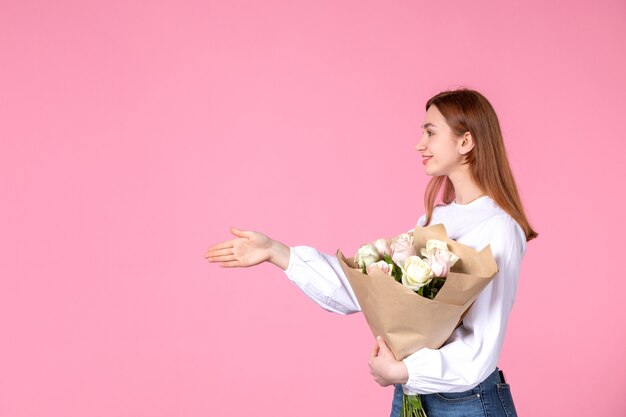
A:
[(397, 273)]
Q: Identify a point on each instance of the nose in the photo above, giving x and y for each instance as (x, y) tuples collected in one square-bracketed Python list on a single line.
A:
[(421, 145)]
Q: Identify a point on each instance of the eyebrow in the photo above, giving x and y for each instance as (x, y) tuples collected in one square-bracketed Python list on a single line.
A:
[(427, 125)]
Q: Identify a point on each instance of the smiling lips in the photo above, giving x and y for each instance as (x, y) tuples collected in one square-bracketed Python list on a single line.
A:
[(425, 159)]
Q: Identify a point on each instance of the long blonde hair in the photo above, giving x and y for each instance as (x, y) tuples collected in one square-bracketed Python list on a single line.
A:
[(469, 111)]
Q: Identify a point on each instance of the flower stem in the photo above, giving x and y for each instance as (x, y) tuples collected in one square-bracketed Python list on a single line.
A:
[(412, 406)]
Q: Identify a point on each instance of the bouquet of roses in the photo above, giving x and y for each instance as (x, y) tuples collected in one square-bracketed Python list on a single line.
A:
[(415, 302), (397, 258)]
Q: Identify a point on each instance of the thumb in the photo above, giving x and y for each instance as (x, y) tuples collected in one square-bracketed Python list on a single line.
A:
[(384, 349), (238, 232), (375, 351)]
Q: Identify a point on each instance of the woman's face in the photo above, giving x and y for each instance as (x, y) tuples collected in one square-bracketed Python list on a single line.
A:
[(440, 149)]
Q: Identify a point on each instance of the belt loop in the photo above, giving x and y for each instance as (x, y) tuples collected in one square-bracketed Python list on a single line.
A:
[(501, 376)]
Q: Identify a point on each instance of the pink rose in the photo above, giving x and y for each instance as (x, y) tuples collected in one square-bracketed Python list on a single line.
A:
[(402, 247), (440, 262), (439, 257), (382, 266), (383, 246)]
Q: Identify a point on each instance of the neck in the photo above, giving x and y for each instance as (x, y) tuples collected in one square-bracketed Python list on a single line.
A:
[(465, 188)]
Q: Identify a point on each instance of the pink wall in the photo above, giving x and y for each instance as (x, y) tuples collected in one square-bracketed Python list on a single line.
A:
[(133, 135)]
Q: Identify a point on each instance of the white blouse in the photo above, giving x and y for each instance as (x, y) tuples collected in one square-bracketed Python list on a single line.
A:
[(471, 353)]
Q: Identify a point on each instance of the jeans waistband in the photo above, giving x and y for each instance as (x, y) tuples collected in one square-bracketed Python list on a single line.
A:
[(496, 377)]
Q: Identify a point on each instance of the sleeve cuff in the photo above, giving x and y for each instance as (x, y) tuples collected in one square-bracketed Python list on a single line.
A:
[(291, 261), (423, 362)]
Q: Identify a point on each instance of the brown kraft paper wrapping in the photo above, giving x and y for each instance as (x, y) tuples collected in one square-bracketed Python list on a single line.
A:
[(407, 321)]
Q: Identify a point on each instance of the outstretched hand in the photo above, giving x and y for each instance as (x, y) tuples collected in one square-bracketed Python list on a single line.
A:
[(247, 249), (384, 367)]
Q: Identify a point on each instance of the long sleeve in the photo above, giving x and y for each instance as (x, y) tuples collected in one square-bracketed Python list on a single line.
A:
[(471, 353), (320, 277)]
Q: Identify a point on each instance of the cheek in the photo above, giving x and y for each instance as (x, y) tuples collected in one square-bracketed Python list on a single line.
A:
[(441, 164), (447, 152)]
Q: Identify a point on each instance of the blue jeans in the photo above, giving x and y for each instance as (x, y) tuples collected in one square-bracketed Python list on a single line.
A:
[(490, 398)]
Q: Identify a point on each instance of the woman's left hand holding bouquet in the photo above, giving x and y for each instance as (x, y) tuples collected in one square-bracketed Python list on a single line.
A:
[(384, 367)]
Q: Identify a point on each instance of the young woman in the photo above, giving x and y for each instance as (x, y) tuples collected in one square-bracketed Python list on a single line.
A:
[(463, 150)]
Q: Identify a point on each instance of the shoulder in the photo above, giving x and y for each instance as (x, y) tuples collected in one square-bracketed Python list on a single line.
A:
[(436, 211), (504, 235)]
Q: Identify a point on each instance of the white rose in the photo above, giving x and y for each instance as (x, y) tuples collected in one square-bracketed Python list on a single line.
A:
[(381, 265), (431, 244), (402, 247), (416, 273), (366, 255)]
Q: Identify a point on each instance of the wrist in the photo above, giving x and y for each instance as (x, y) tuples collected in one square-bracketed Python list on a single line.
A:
[(402, 373), (279, 254)]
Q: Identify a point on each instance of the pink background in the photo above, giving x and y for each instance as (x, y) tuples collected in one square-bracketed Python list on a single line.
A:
[(133, 134)]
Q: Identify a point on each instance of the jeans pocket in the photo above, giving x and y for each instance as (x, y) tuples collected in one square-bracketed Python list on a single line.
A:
[(506, 399), (458, 397), (454, 404)]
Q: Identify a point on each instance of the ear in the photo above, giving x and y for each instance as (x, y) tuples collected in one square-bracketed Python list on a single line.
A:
[(466, 143)]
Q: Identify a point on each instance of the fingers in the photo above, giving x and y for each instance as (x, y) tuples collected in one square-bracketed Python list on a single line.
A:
[(230, 264), (373, 367), (222, 245), (214, 253), (223, 251), (222, 258)]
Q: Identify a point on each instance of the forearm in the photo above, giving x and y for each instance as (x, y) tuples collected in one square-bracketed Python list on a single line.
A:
[(320, 277), (279, 254)]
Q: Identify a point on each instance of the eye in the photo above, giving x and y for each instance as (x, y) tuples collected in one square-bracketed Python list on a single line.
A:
[(429, 133)]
